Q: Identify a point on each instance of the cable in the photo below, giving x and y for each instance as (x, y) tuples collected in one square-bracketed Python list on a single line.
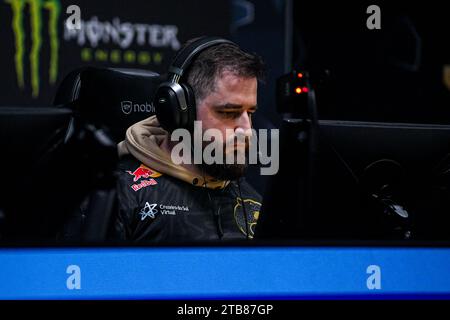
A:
[(245, 211), (312, 155), (216, 215), (346, 165)]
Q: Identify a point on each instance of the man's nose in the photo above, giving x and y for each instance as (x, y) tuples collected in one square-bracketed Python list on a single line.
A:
[(244, 121)]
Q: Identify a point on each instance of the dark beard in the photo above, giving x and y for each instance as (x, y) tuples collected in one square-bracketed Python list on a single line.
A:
[(224, 171)]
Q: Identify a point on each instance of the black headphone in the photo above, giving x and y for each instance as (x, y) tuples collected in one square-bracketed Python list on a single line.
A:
[(174, 101)]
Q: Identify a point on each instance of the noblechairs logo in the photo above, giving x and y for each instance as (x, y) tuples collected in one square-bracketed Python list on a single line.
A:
[(129, 107), (126, 107)]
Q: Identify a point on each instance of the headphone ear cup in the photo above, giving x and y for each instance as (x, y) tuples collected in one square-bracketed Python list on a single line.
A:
[(166, 106), (190, 115)]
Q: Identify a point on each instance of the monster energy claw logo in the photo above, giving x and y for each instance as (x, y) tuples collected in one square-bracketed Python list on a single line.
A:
[(35, 9)]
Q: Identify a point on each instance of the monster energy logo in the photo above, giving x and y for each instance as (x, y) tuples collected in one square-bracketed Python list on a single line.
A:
[(36, 8)]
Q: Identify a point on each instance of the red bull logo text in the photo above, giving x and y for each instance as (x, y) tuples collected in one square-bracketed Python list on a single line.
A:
[(143, 184)]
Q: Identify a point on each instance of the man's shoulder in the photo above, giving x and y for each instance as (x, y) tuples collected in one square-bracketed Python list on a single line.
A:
[(127, 162)]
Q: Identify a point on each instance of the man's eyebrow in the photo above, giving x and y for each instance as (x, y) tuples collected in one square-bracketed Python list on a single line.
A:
[(232, 106)]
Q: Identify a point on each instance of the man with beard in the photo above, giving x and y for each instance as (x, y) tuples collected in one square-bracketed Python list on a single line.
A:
[(213, 81)]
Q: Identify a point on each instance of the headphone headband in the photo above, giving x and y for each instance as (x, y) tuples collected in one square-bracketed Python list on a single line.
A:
[(183, 59)]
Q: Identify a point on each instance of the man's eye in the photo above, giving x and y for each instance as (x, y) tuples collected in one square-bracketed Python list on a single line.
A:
[(230, 115)]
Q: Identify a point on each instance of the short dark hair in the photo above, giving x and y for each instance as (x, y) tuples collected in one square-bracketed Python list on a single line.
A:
[(212, 62)]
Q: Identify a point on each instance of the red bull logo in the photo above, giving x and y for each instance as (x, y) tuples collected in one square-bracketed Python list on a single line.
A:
[(143, 172)]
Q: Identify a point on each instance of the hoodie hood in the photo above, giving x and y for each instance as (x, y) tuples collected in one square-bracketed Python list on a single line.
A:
[(149, 143)]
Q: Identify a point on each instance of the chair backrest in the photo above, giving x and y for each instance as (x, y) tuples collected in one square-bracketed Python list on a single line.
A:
[(108, 97), (111, 99)]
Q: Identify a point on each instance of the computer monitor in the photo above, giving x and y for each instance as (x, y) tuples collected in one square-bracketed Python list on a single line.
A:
[(360, 181)]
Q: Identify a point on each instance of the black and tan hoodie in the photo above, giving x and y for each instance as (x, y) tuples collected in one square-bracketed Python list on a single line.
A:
[(160, 201)]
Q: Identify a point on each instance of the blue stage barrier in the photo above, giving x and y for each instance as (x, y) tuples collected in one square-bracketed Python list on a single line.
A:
[(224, 273)]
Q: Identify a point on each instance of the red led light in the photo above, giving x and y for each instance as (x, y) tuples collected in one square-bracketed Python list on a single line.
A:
[(300, 75), (305, 89)]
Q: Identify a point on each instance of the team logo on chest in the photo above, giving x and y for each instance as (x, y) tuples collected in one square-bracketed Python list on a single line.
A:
[(148, 211), (252, 209)]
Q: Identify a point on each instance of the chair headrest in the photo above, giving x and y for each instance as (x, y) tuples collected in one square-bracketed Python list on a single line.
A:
[(115, 98)]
